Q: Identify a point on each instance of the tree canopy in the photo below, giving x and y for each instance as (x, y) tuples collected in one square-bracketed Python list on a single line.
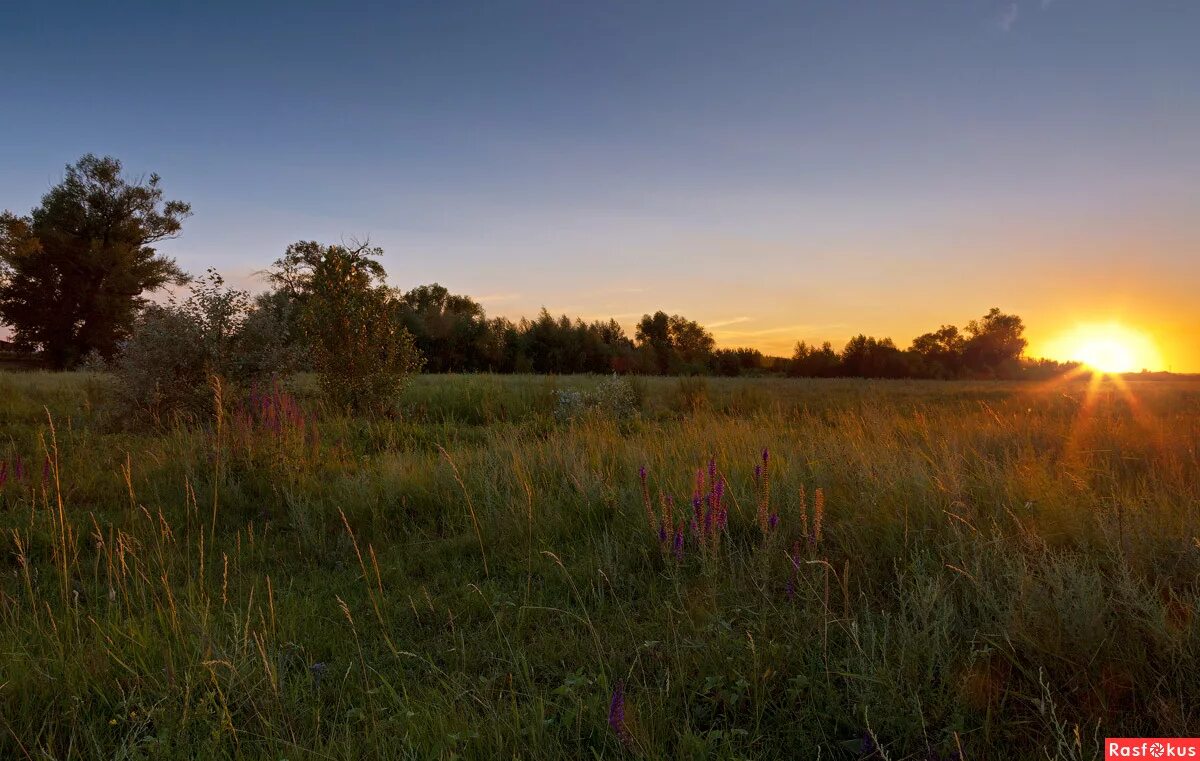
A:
[(73, 273)]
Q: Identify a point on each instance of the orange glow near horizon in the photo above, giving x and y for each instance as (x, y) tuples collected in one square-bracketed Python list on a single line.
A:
[(1107, 347)]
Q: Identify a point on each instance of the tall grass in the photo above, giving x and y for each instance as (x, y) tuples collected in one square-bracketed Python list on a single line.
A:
[(999, 571)]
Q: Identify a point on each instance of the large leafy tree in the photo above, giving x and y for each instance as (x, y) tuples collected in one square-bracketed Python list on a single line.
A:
[(995, 344), (449, 329), (676, 343), (940, 352), (73, 272)]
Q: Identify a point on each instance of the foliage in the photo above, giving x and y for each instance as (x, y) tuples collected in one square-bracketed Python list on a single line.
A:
[(994, 344), (72, 272), (454, 334), (165, 369), (448, 329), (812, 362), (991, 347), (679, 346), (352, 323)]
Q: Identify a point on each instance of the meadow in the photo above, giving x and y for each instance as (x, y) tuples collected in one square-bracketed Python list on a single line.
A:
[(807, 569)]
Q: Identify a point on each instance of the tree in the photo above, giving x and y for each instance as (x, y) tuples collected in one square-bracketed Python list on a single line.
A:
[(351, 322), (678, 345), (73, 272), (868, 357), (813, 362), (450, 330), (734, 362), (940, 352), (692, 343), (654, 334), (995, 344)]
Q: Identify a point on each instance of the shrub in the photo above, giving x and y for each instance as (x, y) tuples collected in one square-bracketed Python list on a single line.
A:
[(165, 369), (615, 398)]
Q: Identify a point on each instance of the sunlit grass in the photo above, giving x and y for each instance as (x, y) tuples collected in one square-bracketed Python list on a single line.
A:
[(999, 567)]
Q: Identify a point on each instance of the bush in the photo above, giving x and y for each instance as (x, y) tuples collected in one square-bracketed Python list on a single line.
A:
[(615, 398), (164, 371)]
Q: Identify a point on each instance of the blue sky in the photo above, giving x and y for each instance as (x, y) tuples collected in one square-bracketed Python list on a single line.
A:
[(776, 170)]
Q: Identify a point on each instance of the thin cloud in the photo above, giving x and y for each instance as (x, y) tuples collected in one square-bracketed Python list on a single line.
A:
[(723, 323), (766, 331), (1009, 17)]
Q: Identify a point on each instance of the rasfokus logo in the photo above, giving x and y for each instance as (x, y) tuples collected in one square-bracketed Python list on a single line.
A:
[(1152, 747)]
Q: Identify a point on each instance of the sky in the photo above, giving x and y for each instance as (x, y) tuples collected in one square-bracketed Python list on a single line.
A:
[(778, 171)]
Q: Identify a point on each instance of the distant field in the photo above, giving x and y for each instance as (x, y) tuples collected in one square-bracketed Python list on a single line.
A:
[(1000, 571)]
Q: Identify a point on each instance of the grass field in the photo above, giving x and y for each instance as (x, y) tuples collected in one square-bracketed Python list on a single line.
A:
[(997, 571)]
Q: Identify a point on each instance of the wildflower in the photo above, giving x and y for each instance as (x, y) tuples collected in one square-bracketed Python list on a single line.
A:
[(677, 550), (318, 670), (773, 521), (789, 589), (616, 715)]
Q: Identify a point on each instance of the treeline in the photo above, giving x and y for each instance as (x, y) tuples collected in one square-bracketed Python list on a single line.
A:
[(454, 334), (75, 271)]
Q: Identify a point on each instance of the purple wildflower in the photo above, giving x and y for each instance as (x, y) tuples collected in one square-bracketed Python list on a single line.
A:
[(616, 715), (677, 550), (765, 456), (642, 473), (662, 532), (773, 521)]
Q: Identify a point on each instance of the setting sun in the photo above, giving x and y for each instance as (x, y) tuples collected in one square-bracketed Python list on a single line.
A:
[(1109, 348)]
